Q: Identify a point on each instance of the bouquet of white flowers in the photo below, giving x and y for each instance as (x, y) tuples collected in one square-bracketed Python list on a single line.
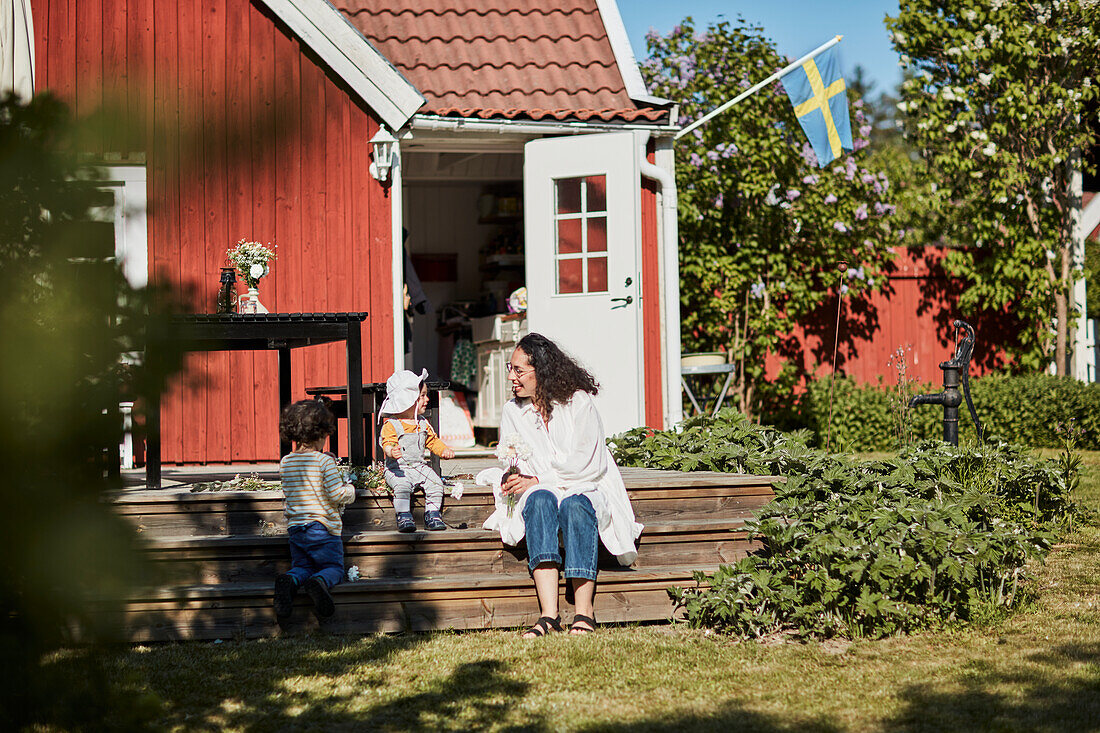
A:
[(250, 259), (510, 451)]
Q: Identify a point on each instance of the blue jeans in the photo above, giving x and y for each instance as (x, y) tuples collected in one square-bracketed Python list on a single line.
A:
[(315, 552), (542, 518)]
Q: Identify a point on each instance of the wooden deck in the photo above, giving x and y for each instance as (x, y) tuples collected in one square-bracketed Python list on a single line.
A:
[(214, 556)]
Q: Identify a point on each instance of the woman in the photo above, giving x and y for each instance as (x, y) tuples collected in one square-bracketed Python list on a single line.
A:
[(568, 483)]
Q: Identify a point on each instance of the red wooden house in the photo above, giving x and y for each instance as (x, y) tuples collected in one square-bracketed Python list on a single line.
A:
[(230, 119)]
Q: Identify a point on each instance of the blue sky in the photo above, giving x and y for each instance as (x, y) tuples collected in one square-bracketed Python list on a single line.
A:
[(796, 26)]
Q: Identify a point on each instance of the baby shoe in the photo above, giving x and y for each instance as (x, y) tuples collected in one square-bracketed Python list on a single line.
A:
[(433, 521), (323, 605), (405, 522)]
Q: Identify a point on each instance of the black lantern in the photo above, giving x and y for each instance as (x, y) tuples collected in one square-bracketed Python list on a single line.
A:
[(227, 293)]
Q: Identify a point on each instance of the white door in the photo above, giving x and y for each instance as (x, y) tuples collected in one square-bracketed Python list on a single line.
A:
[(582, 240)]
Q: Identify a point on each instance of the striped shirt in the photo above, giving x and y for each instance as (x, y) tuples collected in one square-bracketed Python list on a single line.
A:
[(314, 490)]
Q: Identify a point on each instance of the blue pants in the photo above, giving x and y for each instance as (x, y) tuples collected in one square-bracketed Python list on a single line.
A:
[(575, 518), (315, 552)]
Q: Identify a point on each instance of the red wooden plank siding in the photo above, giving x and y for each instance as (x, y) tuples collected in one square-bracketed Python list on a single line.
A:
[(164, 244), (240, 392), (246, 135), (41, 17), (651, 303), (261, 64), (113, 15), (216, 210), (192, 244), (914, 313)]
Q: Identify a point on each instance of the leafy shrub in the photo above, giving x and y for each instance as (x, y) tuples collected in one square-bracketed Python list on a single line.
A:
[(1023, 409), (865, 548)]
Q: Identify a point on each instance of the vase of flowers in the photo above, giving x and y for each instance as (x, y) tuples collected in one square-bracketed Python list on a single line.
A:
[(251, 260), (510, 451)]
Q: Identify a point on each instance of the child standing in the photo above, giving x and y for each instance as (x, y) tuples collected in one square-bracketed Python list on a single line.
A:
[(404, 437), (315, 495)]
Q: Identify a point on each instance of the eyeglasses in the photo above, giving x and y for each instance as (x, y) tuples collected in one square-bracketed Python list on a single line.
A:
[(518, 372)]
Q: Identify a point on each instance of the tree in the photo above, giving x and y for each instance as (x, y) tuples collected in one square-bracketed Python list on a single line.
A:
[(762, 227), (66, 316), (995, 105)]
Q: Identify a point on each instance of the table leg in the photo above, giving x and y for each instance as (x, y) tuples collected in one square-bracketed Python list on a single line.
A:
[(356, 444), (152, 442), (691, 396), (284, 394), (722, 394), (432, 413)]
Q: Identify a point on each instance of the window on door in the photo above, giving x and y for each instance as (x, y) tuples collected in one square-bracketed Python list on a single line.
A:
[(580, 218)]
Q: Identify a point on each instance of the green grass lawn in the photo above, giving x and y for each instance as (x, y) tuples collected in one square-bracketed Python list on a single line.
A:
[(1038, 670)]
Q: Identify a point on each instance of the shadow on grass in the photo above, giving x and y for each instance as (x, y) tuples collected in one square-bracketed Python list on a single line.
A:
[(334, 684), (1027, 698), (732, 717)]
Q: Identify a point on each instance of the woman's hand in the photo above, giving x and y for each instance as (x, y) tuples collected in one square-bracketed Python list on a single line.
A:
[(517, 483)]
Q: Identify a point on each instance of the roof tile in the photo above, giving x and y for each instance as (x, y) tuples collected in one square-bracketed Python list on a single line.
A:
[(502, 58)]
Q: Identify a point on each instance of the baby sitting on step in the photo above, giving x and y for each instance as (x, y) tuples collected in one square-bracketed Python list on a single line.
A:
[(404, 437)]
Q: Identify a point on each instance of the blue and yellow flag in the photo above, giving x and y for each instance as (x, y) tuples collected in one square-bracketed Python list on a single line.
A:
[(817, 92)]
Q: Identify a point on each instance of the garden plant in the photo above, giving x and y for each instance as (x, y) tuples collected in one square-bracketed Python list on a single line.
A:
[(866, 548)]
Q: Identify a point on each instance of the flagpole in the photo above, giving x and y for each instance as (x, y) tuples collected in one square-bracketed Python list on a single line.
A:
[(785, 70)]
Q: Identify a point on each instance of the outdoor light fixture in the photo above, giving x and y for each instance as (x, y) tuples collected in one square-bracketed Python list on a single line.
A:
[(383, 143)]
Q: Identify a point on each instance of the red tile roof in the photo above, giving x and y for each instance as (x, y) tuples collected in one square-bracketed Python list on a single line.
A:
[(494, 59)]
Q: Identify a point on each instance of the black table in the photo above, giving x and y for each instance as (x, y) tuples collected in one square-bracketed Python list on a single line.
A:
[(258, 331)]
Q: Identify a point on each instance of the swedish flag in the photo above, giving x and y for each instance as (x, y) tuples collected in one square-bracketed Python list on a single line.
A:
[(816, 90)]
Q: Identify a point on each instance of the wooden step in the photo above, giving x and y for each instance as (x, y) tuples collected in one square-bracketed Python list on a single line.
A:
[(657, 496), (384, 554), (243, 610)]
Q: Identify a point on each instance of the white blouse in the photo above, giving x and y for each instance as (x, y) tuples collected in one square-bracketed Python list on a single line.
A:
[(569, 455)]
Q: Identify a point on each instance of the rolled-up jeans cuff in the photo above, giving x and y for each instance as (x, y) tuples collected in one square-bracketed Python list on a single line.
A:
[(535, 560), (586, 573)]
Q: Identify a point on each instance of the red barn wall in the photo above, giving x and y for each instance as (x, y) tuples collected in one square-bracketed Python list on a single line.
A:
[(914, 312), (245, 134)]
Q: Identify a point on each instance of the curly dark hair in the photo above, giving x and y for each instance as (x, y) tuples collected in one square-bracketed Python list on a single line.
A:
[(306, 421), (557, 375)]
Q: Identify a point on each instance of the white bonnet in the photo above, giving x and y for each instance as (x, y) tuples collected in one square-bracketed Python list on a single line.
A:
[(402, 390)]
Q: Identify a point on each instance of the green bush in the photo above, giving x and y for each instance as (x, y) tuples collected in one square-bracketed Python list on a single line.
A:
[(1026, 409), (865, 548)]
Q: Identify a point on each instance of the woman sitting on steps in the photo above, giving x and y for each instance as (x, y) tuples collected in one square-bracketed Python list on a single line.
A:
[(569, 484)]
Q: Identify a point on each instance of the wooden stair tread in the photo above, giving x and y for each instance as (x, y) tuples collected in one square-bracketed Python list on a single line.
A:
[(420, 536), (448, 583)]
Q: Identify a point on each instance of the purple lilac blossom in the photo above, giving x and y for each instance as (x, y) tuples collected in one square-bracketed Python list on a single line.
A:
[(864, 130), (861, 212), (840, 227), (830, 199), (859, 144), (695, 160), (881, 208), (850, 169), (808, 154), (793, 193), (719, 200), (867, 178), (757, 290), (811, 179), (843, 289)]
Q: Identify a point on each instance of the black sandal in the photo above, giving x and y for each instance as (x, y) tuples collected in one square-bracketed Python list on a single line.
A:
[(582, 630), (543, 626)]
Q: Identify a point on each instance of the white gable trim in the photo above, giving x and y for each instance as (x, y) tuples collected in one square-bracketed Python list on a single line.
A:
[(351, 56), (1090, 217), (624, 54)]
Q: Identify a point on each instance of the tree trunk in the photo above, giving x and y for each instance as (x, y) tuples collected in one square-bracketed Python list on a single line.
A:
[(1061, 312)]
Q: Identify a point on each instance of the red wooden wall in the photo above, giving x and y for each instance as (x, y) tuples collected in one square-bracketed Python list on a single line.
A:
[(245, 134), (651, 305), (914, 312)]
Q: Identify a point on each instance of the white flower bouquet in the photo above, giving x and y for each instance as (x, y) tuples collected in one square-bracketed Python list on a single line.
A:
[(250, 259), (510, 451)]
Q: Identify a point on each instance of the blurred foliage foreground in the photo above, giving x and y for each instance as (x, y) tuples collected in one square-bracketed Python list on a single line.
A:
[(67, 318), (856, 548)]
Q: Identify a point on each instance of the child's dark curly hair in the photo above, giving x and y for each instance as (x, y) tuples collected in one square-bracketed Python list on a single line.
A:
[(557, 375), (306, 421)]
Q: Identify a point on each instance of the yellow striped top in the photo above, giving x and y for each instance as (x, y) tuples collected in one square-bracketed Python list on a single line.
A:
[(314, 490)]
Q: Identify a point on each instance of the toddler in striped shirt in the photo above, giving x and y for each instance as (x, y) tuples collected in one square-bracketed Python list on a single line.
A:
[(314, 498)]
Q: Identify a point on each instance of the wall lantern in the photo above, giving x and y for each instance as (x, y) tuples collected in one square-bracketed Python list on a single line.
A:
[(383, 143)]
